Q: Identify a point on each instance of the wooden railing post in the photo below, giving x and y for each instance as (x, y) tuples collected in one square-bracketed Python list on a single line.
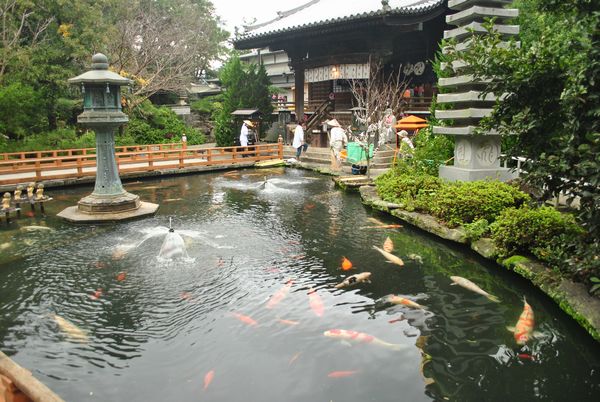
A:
[(38, 169), (150, 161)]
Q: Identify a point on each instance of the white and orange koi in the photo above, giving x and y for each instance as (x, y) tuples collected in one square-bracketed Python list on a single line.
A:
[(279, 295), (390, 257), (523, 331), (360, 337), (354, 279), (70, 329), (403, 301), (467, 284)]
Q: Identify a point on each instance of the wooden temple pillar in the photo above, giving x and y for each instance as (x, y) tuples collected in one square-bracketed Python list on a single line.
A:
[(297, 58), (299, 92)]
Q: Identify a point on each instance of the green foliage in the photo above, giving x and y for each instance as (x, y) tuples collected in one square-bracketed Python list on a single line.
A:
[(477, 229), (458, 203), (206, 105), (402, 185), (246, 87), (553, 106), (156, 125), (431, 150), (20, 111), (542, 232)]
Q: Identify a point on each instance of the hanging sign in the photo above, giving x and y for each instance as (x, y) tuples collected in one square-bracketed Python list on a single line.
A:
[(337, 72)]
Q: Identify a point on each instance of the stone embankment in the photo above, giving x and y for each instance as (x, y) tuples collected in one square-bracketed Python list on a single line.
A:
[(572, 297)]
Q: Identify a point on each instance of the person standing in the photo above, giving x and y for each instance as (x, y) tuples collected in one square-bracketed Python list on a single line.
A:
[(298, 141), (244, 134), (338, 141)]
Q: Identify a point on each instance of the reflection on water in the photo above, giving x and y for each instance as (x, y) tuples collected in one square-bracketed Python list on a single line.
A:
[(235, 304)]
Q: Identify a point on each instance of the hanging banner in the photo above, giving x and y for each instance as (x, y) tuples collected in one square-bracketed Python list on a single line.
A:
[(337, 72)]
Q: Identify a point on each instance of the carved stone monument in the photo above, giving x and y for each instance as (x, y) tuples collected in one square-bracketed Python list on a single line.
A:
[(476, 156)]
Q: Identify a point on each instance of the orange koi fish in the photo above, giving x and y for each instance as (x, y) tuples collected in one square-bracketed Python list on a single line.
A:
[(394, 320), (316, 304), (346, 264), (526, 356), (360, 337), (342, 374), (121, 276), (185, 296), (288, 322), (523, 331), (388, 245), (96, 295), (404, 301), (245, 319), (280, 295), (208, 378)]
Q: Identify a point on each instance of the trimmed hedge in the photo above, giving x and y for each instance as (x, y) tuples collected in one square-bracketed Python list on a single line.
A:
[(538, 231), (404, 187), (458, 203)]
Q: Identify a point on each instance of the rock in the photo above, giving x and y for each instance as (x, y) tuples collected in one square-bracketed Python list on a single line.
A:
[(431, 225), (485, 247)]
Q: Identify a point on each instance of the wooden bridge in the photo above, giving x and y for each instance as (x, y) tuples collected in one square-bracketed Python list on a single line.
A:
[(23, 167)]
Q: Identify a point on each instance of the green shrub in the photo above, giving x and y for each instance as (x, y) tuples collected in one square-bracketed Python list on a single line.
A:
[(431, 151), (149, 124), (540, 231), (402, 186), (458, 203), (477, 229)]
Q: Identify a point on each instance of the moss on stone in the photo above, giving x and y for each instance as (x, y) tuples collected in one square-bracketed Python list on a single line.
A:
[(546, 279)]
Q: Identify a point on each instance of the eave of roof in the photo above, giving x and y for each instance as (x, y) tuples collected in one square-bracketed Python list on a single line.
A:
[(250, 39)]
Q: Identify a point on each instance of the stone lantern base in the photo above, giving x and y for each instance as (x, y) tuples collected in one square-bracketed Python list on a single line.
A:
[(94, 208)]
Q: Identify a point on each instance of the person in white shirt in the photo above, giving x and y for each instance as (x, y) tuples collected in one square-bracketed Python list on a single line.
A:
[(338, 141), (299, 139), (406, 144), (244, 133)]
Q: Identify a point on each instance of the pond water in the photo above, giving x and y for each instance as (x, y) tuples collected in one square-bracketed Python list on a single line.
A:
[(237, 306)]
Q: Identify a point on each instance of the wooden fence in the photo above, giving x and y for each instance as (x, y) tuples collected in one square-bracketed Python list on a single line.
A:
[(21, 167)]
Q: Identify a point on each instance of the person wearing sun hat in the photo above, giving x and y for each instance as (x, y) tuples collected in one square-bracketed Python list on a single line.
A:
[(244, 133), (338, 141)]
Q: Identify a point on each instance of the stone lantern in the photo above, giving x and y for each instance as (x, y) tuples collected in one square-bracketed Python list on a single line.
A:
[(102, 113)]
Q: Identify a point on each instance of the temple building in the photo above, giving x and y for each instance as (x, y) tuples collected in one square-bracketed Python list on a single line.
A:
[(329, 42)]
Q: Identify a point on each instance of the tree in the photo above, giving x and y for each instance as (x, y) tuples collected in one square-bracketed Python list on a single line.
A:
[(553, 105), (372, 97), (164, 45), (246, 87)]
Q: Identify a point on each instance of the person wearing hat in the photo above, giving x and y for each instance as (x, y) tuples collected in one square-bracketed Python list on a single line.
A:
[(244, 134), (405, 141), (338, 141)]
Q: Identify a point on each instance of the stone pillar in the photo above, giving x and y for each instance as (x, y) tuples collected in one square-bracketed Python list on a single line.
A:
[(476, 157)]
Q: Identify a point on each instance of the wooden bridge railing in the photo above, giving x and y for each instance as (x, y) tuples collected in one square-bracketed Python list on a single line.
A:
[(129, 159)]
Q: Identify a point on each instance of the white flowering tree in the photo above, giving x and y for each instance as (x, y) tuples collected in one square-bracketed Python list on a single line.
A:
[(372, 98)]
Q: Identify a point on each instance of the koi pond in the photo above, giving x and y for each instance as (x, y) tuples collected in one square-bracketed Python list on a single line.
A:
[(239, 303)]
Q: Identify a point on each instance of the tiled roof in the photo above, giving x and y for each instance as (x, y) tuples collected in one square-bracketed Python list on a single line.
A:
[(317, 13)]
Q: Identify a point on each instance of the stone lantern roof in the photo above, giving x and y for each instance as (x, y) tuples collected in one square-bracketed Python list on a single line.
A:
[(100, 74)]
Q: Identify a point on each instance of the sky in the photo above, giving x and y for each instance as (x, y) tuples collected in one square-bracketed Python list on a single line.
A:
[(233, 12)]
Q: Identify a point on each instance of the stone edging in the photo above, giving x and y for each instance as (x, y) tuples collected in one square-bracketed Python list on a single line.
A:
[(571, 297)]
